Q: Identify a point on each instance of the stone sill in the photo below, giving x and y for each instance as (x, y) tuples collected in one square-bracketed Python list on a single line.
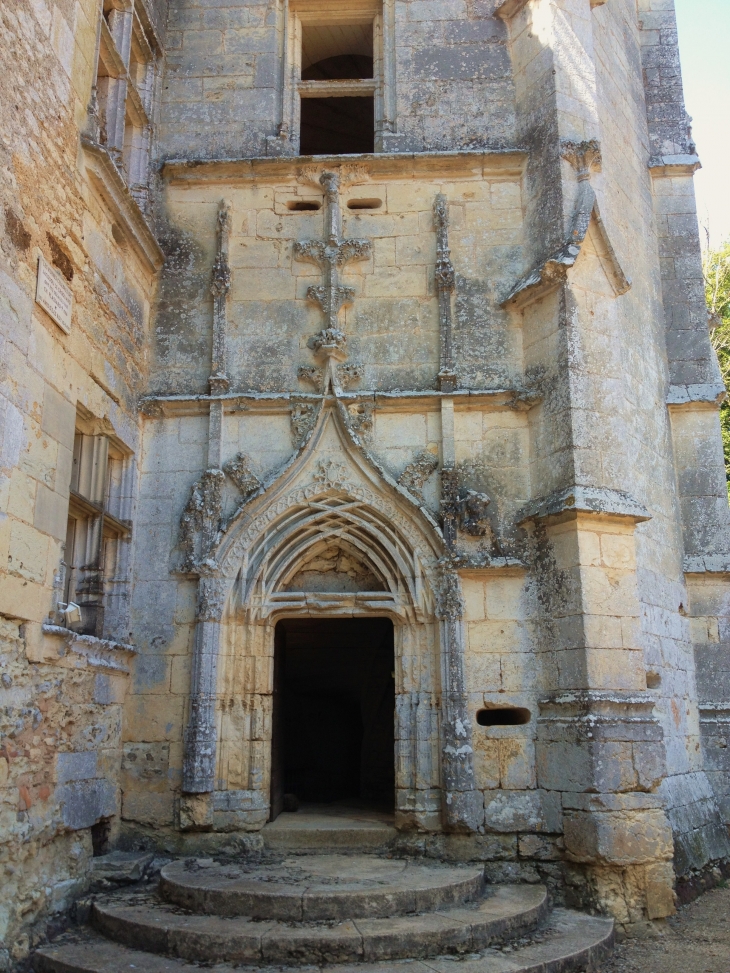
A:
[(104, 654), (715, 712)]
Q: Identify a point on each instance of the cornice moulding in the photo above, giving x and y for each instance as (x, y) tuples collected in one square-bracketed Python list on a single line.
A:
[(709, 394), (668, 166), (586, 500), (158, 406), (707, 564), (506, 162)]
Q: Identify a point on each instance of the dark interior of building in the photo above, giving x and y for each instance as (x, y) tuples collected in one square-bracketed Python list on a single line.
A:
[(334, 707), (338, 126)]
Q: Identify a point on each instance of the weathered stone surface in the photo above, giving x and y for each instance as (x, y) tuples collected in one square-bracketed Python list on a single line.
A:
[(449, 929), (436, 384), (121, 866), (319, 887), (569, 940)]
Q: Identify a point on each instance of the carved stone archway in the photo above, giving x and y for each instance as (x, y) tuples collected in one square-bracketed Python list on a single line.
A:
[(331, 494)]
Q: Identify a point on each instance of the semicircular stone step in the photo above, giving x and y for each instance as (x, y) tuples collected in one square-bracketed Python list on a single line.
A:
[(161, 928), (568, 941), (319, 887)]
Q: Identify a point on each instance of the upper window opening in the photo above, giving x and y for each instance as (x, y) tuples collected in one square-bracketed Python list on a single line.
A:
[(342, 51), (337, 126), (337, 118)]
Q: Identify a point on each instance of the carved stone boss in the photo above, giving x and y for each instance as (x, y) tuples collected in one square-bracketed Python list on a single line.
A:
[(445, 279), (331, 254)]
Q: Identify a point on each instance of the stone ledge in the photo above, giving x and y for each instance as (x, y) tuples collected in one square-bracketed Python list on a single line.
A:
[(715, 712), (667, 166), (108, 181), (516, 399), (707, 564), (712, 393), (589, 500), (99, 653), (596, 706), (397, 165)]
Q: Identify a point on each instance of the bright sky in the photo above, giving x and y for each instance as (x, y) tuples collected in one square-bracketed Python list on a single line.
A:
[(704, 43)]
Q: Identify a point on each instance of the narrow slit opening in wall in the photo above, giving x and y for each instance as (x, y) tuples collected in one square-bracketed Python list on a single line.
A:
[(503, 716), (303, 205), (364, 203)]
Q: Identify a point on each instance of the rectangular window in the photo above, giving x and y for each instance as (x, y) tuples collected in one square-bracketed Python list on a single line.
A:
[(96, 552), (123, 97), (335, 55)]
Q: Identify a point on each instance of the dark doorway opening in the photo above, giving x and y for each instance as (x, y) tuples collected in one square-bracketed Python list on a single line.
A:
[(337, 126), (334, 711)]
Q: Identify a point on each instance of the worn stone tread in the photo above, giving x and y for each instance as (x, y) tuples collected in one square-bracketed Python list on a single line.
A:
[(160, 928), (319, 887), (567, 942)]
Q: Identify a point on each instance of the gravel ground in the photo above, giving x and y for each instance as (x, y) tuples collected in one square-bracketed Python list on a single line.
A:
[(696, 940)]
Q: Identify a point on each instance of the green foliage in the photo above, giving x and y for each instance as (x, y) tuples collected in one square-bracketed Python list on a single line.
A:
[(716, 266)]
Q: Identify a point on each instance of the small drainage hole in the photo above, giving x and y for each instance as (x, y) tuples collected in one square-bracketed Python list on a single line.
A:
[(503, 716), (303, 205), (364, 203)]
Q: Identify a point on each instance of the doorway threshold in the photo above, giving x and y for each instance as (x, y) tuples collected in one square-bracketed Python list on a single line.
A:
[(318, 828)]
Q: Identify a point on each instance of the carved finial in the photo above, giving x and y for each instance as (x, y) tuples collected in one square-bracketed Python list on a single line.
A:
[(331, 254), (445, 280), (416, 473), (441, 211), (220, 286), (330, 342)]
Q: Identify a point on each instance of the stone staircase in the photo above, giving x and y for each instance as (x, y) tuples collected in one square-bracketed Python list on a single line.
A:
[(337, 913)]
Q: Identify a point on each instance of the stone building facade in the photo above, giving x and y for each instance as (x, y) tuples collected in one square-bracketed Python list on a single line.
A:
[(387, 342)]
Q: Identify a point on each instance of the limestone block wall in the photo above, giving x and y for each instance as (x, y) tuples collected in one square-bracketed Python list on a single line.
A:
[(446, 71), (271, 318), (500, 667), (60, 767), (60, 698)]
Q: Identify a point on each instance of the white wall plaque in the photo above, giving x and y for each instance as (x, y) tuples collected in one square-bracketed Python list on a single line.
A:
[(54, 295)]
